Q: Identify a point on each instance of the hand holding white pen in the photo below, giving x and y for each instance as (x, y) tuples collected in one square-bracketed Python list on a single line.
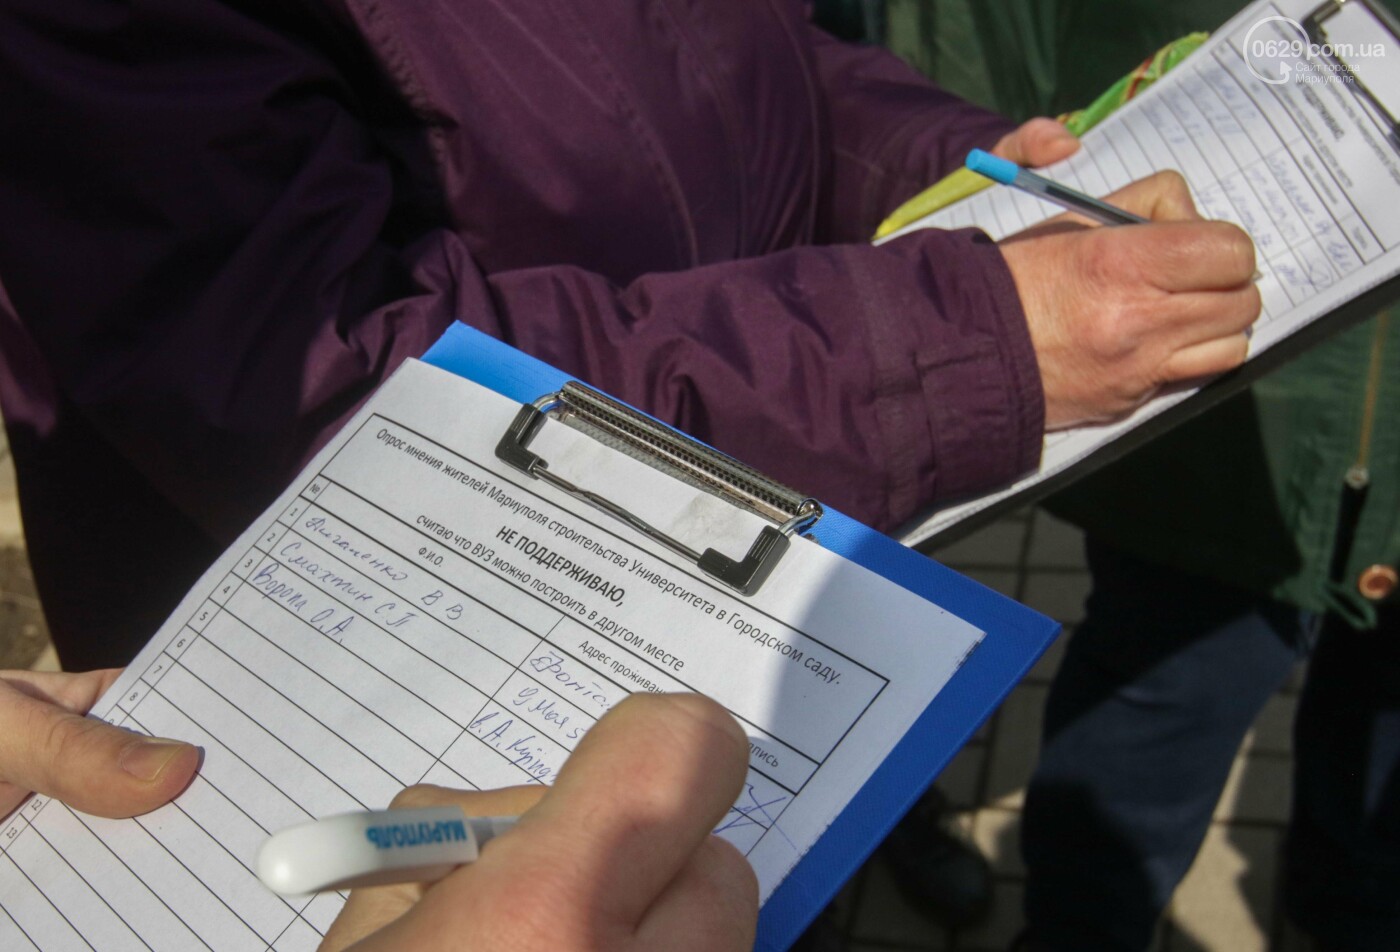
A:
[(374, 848), (616, 855)]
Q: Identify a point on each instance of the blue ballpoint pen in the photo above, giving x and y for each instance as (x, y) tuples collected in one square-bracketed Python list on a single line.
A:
[(1009, 173)]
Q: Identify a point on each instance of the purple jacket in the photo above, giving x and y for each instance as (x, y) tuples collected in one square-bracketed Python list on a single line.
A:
[(224, 222)]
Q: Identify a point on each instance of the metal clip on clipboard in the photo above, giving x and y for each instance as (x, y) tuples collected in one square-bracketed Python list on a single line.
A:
[(1313, 25), (643, 438)]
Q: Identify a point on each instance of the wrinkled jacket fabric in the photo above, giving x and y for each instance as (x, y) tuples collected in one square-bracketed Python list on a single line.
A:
[(226, 221)]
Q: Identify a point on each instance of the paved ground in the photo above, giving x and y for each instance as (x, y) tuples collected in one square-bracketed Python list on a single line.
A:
[(1227, 902)]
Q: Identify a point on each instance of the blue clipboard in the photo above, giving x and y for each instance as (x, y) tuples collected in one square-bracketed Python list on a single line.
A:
[(1015, 638)]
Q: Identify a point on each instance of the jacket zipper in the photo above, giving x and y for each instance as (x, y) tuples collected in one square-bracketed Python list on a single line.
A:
[(1358, 476)]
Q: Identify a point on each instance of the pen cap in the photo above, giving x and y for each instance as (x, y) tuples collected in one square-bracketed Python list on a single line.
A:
[(365, 849), (996, 169)]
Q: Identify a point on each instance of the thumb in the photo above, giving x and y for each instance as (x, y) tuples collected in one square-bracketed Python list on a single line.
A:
[(1037, 142), (88, 764), (1161, 196)]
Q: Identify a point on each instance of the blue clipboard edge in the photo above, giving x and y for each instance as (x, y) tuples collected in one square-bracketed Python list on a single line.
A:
[(1015, 638)]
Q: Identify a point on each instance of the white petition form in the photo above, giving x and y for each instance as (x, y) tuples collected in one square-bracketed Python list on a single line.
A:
[(412, 609), (1270, 135)]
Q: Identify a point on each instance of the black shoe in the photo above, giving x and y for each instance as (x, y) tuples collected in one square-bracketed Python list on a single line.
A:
[(938, 874)]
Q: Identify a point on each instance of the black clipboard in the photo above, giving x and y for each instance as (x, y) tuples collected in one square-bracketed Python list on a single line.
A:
[(1353, 312)]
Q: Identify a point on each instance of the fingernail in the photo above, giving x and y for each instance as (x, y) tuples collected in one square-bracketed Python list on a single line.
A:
[(145, 759)]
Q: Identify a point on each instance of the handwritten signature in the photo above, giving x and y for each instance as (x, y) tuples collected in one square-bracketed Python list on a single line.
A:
[(749, 810)]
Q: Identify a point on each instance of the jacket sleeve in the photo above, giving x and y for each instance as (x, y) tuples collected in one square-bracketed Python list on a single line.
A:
[(894, 133), (205, 257), (877, 379)]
